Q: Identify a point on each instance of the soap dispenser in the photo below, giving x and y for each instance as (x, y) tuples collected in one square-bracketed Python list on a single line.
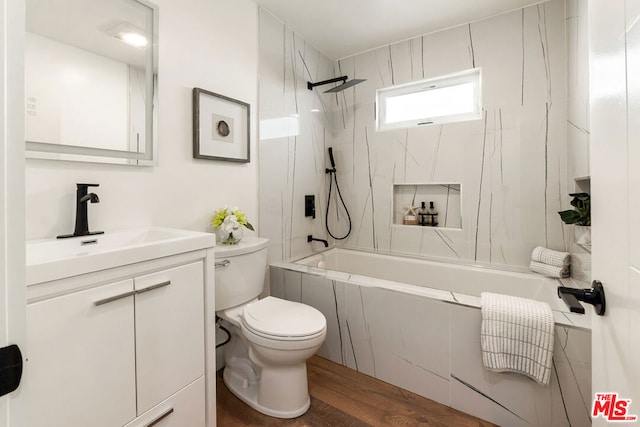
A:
[(432, 215), (422, 215)]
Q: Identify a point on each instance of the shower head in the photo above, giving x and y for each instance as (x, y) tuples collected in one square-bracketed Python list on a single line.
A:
[(345, 84)]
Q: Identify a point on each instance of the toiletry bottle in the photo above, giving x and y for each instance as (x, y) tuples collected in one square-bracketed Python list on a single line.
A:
[(422, 214), (432, 215)]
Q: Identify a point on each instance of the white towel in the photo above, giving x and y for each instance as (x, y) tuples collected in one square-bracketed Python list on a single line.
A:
[(551, 257), (550, 270), (517, 335)]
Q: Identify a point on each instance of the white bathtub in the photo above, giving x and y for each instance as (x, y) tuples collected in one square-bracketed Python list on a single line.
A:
[(445, 281), (416, 323)]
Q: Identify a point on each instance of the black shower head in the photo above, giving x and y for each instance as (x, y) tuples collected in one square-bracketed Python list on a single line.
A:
[(345, 84)]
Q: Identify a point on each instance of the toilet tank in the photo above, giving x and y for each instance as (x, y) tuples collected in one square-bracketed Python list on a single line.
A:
[(240, 271)]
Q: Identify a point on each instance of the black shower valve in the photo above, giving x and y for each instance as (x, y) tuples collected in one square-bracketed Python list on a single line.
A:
[(310, 206)]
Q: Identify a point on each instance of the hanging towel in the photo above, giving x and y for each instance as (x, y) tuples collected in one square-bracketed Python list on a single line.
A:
[(551, 257), (517, 335), (550, 270)]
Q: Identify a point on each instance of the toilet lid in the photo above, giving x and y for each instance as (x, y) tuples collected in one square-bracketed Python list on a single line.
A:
[(281, 318)]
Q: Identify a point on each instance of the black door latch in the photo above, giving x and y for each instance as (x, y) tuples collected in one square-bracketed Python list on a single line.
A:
[(10, 369)]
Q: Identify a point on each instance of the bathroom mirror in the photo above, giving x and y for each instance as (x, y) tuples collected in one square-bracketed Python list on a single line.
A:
[(91, 80)]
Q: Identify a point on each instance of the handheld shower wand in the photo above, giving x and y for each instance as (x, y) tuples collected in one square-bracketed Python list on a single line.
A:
[(332, 161), (332, 177)]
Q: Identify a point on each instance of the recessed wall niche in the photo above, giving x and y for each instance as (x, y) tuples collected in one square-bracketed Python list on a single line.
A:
[(446, 198)]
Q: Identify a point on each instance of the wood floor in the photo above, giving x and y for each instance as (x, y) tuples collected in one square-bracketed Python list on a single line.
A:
[(342, 397)]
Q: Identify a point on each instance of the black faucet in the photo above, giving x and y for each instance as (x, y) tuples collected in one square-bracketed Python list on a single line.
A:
[(310, 239), (593, 296), (82, 222)]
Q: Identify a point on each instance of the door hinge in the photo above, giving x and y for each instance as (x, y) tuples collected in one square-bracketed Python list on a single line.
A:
[(10, 369)]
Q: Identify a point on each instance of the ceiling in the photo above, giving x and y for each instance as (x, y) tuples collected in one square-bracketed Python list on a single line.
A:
[(341, 28)]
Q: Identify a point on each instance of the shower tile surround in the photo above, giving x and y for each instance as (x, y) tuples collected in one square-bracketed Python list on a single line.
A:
[(292, 161), (515, 167), (511, 164)]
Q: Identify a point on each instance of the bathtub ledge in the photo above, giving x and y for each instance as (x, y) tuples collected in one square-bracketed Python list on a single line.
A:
[(572, 320)]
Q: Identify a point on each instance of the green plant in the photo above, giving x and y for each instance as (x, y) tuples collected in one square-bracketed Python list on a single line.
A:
[(581, 215)]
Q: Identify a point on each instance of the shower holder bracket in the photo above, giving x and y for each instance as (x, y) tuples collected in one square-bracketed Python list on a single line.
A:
[(342, 79)]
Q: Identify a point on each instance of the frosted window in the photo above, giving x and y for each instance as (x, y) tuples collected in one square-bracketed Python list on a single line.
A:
[(445, 99)]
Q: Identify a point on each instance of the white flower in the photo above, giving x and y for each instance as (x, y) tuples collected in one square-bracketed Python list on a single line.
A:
[(230, 224)]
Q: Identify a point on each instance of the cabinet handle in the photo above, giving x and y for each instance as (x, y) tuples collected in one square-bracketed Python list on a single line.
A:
[(160, 417), (222, 264), (128, 294), (114, 298), (151, 288)]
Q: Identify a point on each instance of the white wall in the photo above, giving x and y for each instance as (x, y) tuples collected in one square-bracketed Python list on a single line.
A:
[(211, 44)]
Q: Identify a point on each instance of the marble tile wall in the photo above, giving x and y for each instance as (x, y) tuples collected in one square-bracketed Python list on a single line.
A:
[(516, 165), (432, 348), (294, 133), (578, 130), (577, 90), (512, 164)]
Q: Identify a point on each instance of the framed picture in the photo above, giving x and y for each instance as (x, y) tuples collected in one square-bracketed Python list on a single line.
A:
[(220, 127)]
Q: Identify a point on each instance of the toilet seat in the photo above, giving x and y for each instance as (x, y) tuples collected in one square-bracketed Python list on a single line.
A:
[(282, 320)]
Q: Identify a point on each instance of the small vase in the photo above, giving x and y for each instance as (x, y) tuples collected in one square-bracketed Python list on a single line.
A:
[(224, 237), (582, 235)]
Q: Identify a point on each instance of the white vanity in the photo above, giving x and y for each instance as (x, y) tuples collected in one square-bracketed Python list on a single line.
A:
[(118, 329)]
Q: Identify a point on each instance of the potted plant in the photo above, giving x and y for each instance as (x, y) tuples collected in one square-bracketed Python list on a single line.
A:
[(228, 225), (580, 217)]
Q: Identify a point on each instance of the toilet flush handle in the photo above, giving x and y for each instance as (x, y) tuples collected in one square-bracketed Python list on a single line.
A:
[(222, 264)]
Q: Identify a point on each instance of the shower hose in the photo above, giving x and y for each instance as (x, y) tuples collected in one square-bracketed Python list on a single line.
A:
[(332, 178)]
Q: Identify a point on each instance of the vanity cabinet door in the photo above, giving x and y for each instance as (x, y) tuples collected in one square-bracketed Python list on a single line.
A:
[(183, 409), (169, 321), (80, 370)]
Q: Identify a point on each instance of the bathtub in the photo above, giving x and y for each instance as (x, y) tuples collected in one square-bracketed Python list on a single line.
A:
[(415, 323), (445, 281)]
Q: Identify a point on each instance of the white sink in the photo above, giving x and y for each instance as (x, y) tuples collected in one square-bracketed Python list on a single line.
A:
[(53, 259)]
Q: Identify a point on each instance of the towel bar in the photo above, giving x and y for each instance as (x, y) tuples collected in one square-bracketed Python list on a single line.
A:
[(593, 296)]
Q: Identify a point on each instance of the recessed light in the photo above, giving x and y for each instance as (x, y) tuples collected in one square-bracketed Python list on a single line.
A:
[(133, 39), (128, 33)]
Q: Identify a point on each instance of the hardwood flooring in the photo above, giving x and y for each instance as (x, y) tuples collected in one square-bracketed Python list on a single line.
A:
[(342, 397)]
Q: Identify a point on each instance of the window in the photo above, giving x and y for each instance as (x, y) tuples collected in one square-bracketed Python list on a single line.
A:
[(445, 99)]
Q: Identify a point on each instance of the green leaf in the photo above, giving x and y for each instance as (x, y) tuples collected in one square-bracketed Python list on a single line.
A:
[(570, 217), (582, 214), (249, 226)]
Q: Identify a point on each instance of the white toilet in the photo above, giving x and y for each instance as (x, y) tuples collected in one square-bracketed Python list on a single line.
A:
[(271, 338)]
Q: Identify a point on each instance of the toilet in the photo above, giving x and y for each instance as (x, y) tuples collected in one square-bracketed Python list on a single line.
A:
[(271, 338)]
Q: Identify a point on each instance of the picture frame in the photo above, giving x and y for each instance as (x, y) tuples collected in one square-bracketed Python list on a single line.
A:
[(220, 127)]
